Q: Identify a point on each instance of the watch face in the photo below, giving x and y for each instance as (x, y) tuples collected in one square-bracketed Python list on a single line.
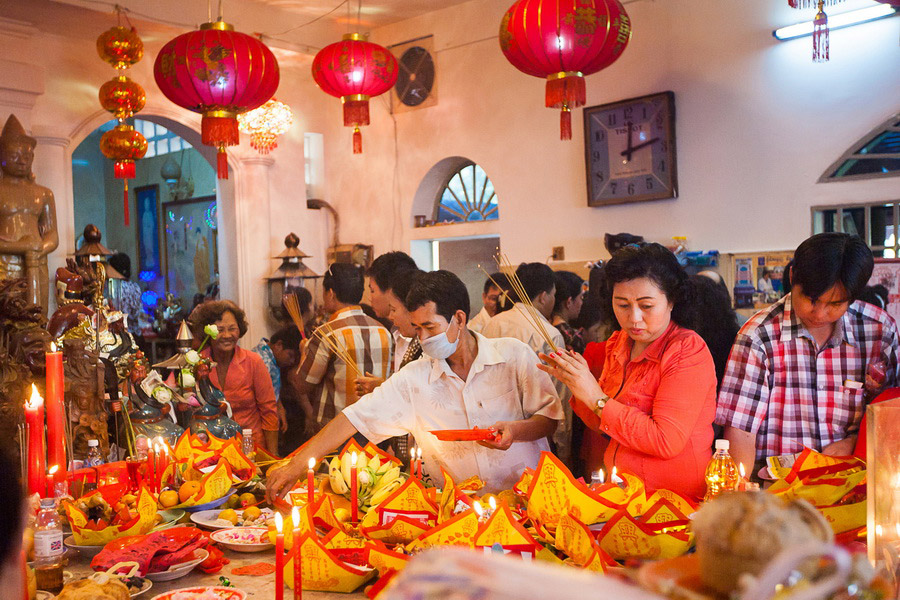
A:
[(630, 150)]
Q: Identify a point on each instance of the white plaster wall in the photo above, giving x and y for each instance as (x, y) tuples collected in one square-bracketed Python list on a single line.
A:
[(757, 123)]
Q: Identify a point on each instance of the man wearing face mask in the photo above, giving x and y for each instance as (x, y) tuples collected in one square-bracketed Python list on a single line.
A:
[(466, 380)]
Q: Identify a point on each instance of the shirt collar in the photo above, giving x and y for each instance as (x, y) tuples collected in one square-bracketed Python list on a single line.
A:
[(652, 352), (343, 312), (487, 355), (792, 327)]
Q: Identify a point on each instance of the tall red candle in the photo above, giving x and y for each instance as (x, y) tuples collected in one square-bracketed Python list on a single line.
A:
[(56, 415), (298, 571), (311, 482), (279, 557), (34, 422), (354, 491)]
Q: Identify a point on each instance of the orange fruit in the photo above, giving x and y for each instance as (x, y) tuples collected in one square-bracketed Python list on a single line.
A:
[(247, 499), (251, 513), (168, 498), (188, 489)]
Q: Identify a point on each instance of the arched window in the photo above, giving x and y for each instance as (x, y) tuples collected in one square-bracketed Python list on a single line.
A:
[(876, 155), (468, 195)]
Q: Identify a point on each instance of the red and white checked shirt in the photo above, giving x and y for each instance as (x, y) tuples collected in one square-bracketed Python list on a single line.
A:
[(792, 394)]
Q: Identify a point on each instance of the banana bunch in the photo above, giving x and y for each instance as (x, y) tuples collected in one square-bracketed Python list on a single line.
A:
[(375, 480)]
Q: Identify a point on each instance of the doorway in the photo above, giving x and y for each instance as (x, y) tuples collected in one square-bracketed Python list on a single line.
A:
[(462, 256)]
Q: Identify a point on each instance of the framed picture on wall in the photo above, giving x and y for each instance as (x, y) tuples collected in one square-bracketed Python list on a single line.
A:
[(147, 200)]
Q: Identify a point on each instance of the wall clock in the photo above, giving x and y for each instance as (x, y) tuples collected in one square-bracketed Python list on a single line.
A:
[(630, 150)]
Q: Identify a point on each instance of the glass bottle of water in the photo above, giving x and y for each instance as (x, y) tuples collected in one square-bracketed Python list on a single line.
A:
[(721, 473), (247, 445), (48, 548), (94, 458)]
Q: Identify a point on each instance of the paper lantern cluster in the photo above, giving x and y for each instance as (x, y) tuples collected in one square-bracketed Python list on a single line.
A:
[(121, 47), (219, 73), (562, 41), (355, 70)]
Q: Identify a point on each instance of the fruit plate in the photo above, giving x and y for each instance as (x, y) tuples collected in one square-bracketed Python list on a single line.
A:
[(142, 590), (170, 518), (464, 435), (214, 504), (243, 539), (181, 569), (221, 593), (88, 551), (208, 519)]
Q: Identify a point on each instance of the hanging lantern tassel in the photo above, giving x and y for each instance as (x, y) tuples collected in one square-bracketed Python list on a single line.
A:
[(124, 169), (356, 114), (220, 129), (565, 90), (357, 141), (125, 206), (565, 124), (820, 35)]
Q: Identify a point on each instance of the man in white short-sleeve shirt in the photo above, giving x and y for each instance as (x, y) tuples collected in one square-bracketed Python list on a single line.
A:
[(467, 381)]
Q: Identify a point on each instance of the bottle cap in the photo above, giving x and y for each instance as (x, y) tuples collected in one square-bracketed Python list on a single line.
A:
[(93, 443), (722, 444), (247, 432), (48, 502)]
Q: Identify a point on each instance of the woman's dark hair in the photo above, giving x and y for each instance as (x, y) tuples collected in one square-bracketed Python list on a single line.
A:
[(346, 281), (402, 281), (659, 265), (211, 311), (876, 295), (535, 278), (826, 259), (597, 290), (568, 285), (121, 263), (387, 265), (590, 313), (445, 289), (304, 298), (289, 337), (719, 325)]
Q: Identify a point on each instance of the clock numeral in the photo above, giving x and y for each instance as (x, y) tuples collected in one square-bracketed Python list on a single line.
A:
[(629, 110), (644, 112), (659, 120), (599, 135), (662, 166), (600, 175), (613, 186), (649, 183), (611, 119), (595, 155), (631, 189)]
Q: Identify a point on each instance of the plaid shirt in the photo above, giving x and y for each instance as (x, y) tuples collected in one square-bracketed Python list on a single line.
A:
[(792, 394), (365, 339)]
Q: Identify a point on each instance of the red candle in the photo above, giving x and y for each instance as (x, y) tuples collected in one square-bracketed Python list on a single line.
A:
[(298, 573), (354, 491), (412, 463), (279, 557), (25, 593), (34, 421), (420, 474), (151, 466), (311, 482), (56, 414)]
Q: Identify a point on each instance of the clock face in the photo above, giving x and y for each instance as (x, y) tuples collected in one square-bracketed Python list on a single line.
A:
[(630, 150)]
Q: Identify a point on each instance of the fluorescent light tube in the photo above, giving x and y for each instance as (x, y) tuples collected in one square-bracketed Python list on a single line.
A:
[(838, 21)]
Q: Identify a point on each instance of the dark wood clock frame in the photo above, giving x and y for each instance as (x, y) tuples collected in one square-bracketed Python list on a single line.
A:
[(660, 184)]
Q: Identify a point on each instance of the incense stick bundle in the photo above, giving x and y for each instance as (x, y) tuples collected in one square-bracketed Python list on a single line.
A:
[(327, 334), (292, 304), (530, 313)]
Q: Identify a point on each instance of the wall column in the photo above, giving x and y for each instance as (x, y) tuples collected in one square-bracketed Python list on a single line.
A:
[(53, 169)]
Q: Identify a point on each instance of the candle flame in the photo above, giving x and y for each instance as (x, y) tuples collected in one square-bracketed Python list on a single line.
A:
[(295, 517), (353, 459), (52, 346), (741, 470), (279, 522), (419, 452), (53, 470), (36, 401), (312, 464), (601, 476), (492, 502), (479, 510)]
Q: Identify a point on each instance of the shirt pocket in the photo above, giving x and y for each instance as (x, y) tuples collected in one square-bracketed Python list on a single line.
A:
[(501, 407), (840, 409)]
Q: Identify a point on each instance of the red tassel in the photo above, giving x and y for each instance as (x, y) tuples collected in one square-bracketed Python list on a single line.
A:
[(820, 35), (565, 124), (127, 209), (222, 163), (124, 169), (565, 91), (220, 131), (356, 113), (357, 141)]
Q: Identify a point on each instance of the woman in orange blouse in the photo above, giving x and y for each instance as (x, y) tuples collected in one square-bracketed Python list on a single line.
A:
[(656, 396), (247, 384)]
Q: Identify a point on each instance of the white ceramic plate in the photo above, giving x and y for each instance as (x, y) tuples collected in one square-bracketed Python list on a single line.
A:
[(224, 593), (207, 519), (144, 588), (89, 551), (181, 569), (243, 539)]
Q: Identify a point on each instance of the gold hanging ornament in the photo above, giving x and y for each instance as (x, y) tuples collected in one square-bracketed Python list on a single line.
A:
[(265, 124), (821, 42)]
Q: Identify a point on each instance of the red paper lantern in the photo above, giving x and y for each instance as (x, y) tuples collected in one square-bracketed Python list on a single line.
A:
[(219, 73), (124, 145), (354, 70), (562, 41)]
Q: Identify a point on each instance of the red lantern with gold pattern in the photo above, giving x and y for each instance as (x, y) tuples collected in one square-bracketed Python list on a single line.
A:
[(124, 145), (354, 70), (120, 46), (219, 73), (562, 41), (122, 97)]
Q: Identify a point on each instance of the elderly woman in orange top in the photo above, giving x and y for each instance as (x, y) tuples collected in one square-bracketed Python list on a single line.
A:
[(240, 374), (656, 396)]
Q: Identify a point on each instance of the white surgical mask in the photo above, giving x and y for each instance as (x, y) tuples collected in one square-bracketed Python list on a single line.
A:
[(439, 346)]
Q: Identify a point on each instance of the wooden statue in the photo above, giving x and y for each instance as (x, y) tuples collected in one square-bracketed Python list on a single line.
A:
[(27, 215), (84, 397)]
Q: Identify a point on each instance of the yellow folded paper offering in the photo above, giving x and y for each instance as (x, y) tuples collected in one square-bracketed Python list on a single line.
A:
[(410, 500), (841, 497), (322, 571), (213, 486), (306, 526), (383, 560), (92, 533), (812, 464), (459, 530), (575, 540), (323, 514), (399, 530), (664, 511), (554, 492), (624, 537), (504, 530)]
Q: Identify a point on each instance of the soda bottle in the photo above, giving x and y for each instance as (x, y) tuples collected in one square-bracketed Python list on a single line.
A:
[(48, 548), (721, 472), (94, 458), (247, 443)]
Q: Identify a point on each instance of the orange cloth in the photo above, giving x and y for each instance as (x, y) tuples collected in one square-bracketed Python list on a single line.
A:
[(248, 389), (661, 409)]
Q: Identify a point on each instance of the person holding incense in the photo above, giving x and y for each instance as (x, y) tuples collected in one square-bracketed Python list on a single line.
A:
[(240, 374), (347, 346), (466, 380), (656, 395)]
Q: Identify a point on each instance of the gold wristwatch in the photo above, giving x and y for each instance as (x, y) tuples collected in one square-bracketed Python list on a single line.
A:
[(600, 404)]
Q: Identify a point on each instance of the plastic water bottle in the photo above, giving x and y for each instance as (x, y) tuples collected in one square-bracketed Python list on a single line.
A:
[(247, 445), (94, 458), (48, 548), (721, 473)]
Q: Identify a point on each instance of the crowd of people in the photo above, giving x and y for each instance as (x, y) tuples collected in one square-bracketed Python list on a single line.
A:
[(639, 368)]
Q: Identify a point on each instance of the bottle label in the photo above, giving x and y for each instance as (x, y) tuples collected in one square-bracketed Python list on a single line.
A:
[(48, 542)]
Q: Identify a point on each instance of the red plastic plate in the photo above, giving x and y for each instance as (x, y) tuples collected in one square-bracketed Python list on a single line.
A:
[(464, 435)]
